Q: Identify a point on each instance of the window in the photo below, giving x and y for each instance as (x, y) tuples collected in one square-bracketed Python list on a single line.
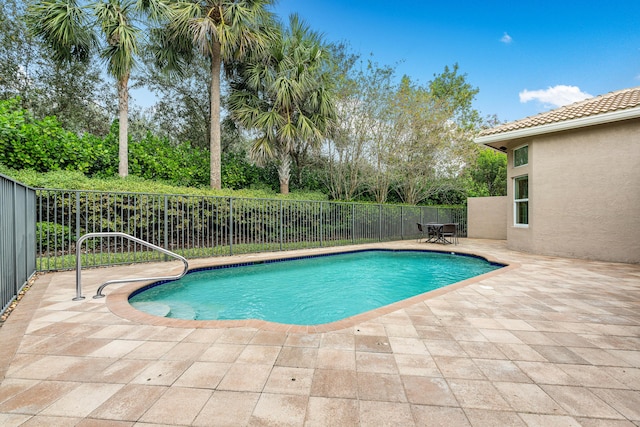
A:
[(521, 156), (521, 200)]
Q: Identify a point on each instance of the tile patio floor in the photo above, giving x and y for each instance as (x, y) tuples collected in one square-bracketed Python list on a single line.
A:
[(549, 342)]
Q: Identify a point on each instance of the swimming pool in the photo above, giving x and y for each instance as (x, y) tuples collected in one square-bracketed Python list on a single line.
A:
[(310, 290)]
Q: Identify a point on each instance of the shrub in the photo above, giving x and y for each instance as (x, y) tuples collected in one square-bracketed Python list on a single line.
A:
[(35, 147), (237, 172), (156, 158), (42, 145), (53, 237)]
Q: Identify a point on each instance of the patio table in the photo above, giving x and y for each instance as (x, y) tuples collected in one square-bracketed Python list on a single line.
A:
[(434, 232)]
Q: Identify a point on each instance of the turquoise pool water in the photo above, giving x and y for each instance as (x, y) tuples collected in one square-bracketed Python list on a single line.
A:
[(307, 291)]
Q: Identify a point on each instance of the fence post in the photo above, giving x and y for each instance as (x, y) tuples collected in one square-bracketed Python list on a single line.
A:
[(281, 224), (77, 215), (401, 222), (15, 240), (230, 225), (353, 223), (166, 224), (26, 234), (38, 217), (321, 225), (379, 223)]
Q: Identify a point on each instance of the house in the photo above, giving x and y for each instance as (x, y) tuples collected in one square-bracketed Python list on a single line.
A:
[(573, 177)]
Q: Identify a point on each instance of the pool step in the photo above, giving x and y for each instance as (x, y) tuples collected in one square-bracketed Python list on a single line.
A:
[(182, 311), (175, 310), (153, 308)]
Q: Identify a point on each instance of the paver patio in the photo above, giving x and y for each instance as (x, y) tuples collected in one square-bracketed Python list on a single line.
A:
[(548, 342)]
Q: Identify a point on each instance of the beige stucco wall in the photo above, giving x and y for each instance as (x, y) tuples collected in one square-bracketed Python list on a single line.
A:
[(487, 217), (584, 194)]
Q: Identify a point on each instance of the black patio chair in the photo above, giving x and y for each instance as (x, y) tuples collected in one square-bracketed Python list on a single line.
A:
[(450, 231), (423, 232)]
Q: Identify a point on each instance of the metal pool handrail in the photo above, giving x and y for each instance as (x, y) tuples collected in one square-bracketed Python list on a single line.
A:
[(140, 279)]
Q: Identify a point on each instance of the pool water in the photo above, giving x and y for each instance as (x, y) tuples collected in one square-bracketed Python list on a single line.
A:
[(307, 291)]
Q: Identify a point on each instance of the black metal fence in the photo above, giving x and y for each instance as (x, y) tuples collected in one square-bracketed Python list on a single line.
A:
[(201, 226), (17, 238)]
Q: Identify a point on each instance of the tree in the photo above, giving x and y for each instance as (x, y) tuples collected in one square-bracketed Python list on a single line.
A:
[(182, 112), (489, 174), (456, 96), (17, 52), (69, 29), (417, 158), (435, 125), (75, 93), (362, 98), (220, 30), (285, 93)]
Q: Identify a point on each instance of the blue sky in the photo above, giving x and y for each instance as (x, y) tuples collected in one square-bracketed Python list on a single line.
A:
[(525, 57)]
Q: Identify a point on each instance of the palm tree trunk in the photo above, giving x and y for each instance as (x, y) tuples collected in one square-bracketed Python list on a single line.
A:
[(284, 172), (214, 175), (123, 137)]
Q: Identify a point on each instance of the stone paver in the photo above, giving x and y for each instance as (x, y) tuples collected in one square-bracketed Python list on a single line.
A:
[(547, 341)]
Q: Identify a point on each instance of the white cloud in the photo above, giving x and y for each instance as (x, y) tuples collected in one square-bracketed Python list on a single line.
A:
[(506, 39), (555, 96)]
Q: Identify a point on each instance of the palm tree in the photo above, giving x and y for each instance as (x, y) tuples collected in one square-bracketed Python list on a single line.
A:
[(223, 31), (70, 30), (286, 94)]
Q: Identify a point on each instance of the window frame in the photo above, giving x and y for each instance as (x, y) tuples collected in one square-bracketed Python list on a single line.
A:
[(518, 201), (515, 156)]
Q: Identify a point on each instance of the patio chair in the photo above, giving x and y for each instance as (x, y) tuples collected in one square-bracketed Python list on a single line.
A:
[(422, 231), (450, 231)]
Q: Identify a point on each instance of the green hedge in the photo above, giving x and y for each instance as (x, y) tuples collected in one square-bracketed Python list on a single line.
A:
[(51, 236), (44, 146)]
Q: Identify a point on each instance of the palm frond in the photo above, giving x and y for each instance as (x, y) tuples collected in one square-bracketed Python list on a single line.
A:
[(65, 28), (121, 35), (261, 150), (156, 10), (171, 52)]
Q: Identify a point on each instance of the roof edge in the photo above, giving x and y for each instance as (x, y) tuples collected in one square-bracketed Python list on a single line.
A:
[(581, 122)]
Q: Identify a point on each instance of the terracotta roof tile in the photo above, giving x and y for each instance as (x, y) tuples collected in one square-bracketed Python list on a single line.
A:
[(613, 101)]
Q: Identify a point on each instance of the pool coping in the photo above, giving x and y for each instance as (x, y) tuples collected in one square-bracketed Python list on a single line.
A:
[(117, 301)]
